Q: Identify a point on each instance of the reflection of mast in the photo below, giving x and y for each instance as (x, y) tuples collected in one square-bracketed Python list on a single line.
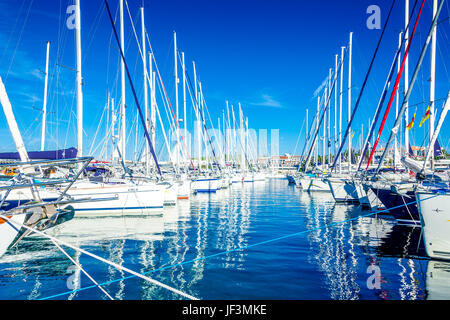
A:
[(76, 276), (201, 241), (146, 257), (438, 280), (116, 256), (328, 247)]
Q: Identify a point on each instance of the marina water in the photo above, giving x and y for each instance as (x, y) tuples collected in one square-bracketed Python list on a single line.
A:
[(262, 240)]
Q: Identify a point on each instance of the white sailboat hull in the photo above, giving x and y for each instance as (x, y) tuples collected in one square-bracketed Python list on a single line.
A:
[(314, 184), (342, 190), (206, 185), (435, 219), (129, 198)]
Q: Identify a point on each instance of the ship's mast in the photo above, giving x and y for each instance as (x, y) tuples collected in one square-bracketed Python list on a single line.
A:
[(44, 108)]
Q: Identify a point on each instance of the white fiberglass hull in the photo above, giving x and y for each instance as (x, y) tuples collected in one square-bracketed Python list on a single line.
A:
[(184, 189), (9, 231), (128, 198), (206, 185), (434, 212), (374, 201), (342, 190), (314, 184), (237, 179), (362, 194)]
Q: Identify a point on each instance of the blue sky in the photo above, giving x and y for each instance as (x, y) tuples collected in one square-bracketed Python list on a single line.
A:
[(269, 55)]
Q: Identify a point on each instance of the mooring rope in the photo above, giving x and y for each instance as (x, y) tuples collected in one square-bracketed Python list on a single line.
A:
[(115, 265), (240, 248), (81, 268)]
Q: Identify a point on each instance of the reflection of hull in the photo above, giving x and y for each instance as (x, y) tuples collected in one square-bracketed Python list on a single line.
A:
[(9, 231), (435, 214), (438, 280), (396, 204), (143, 228), (403, 241), (342, 190)]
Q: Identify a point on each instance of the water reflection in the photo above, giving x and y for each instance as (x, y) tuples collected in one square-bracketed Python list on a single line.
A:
[(334, 255), (332, 248), (438, 280)]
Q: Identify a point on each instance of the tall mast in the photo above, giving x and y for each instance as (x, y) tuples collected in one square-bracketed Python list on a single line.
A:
[(329, 120), (144, 66), (113, 130), (397, 97), (340, 105), (197, 111), (184, 96), (228, 132), (233, 145), (122, 74), (79, 80), (335, 103), (324, 134), (241, 125), (44, 109), (107, 127), (177, 150), (152, 100), (350, 101), (176, 76), (316, 146), (406, 78), (432, 82)]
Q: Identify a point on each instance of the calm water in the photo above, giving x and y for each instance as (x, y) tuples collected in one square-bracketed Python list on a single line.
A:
[(325, 263)]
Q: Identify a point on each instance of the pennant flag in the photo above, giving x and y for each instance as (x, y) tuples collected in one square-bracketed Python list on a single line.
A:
[(411, 124), (425, 117)]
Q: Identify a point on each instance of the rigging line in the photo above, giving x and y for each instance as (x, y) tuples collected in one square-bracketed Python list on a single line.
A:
[(176, 122), (344, 139), (204, 122), (326, 105), (299, 135), (167, 97), (394, 130), (12, 31), (394, 91), (115, 265), (209, 116), (133, 90), (385, 91), (373, 213), (19, 40), (98, 129)]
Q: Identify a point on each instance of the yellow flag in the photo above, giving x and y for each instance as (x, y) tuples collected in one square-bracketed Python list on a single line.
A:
[(411, 124), (425, 117)]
